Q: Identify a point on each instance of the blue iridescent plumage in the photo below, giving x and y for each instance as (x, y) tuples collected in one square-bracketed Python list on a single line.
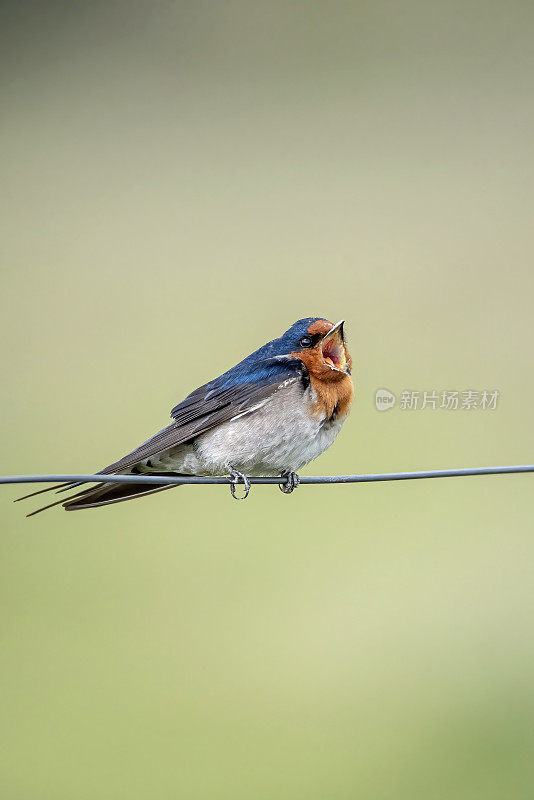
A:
[(263, 365)]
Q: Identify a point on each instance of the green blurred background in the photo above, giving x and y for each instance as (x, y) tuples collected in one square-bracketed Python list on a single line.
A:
[(181, 181)]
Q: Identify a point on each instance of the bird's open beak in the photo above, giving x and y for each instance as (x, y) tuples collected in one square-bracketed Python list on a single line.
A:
[(333, 348)]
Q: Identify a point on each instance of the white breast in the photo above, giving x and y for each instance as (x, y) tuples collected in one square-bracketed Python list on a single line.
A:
[(278, 436)]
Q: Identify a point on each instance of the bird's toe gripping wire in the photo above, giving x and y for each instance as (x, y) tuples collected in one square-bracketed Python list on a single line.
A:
[(291, 482), (236, 478)]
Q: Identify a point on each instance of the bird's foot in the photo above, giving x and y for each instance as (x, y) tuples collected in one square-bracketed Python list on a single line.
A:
[(291, 482), (236, 478)]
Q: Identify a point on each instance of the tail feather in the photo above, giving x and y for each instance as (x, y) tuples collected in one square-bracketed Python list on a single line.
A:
[(102, 494), (62, 501), (60, 487), (114, 493)]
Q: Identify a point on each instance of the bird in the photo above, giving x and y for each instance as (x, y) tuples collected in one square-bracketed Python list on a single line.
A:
[(270, 415)]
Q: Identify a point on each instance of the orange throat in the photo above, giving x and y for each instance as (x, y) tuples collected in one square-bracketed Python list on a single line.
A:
[(333, 398), (328, 369)]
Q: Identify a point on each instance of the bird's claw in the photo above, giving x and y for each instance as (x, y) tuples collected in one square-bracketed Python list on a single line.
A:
[(236, 478), (291, 482)]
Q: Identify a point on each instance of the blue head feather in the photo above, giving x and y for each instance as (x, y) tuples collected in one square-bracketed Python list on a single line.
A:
[(262, 364)]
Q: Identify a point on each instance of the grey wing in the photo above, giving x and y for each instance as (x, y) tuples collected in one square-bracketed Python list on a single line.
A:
[(206, 408), (219, 401)]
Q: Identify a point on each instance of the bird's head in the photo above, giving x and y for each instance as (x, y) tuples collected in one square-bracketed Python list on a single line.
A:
[(320, 345)]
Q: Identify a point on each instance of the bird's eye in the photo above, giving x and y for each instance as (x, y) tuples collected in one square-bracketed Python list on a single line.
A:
[(305, 341)]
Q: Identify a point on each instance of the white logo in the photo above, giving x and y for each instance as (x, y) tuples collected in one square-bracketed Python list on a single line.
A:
[(384, 399)]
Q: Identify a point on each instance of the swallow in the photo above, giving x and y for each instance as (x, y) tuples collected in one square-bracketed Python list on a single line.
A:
[(270, 415)]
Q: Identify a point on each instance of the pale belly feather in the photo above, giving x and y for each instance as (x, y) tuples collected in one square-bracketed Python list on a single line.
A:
[(278, 436)]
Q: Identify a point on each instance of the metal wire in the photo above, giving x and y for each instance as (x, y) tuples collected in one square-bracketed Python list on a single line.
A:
[(315, 479)]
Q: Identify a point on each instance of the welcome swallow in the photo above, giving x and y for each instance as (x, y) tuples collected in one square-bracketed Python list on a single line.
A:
[(271, 414)]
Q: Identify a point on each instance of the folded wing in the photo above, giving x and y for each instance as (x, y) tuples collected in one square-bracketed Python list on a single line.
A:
[(239, 391), (219, 401)]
